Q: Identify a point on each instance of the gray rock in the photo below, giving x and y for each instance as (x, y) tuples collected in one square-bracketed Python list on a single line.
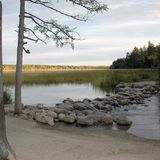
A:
[(86, 101), (95, 119), (60, 110), (66, 106), (50, 120), (52, 114), (68, 101), (69, 119), (80, 114), (85, 121), (61, 116), (107, 119), (43, 118), (79, 106), (87, 111), (122, 85), (122, 120)]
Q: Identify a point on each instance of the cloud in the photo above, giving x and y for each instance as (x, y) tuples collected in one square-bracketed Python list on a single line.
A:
[(106, 36), (155, 13)]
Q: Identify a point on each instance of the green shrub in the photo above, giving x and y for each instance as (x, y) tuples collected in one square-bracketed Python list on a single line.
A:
[(7, 97)]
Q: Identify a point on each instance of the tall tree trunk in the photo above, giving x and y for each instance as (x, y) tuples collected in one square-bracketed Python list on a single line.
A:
[(6, 152), (18, 101)]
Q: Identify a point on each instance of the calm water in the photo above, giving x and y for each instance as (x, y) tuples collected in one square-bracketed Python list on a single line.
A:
[(146, 120), (52, 94)]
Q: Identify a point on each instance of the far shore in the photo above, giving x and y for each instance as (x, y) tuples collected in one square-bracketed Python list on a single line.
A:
[(55, 70), (40, 142)]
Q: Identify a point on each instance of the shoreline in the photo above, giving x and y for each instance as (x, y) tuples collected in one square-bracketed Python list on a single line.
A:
[(110, 112), (36, 142)]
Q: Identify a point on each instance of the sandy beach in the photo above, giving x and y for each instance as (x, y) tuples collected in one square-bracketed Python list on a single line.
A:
[(39, 142)]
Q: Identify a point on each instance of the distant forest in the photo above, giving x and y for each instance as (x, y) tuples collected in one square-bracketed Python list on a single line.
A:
[(146, 57)]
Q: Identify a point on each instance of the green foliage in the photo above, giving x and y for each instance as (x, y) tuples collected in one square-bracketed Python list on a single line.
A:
[(104, 79), (7, 97), (146, 57)]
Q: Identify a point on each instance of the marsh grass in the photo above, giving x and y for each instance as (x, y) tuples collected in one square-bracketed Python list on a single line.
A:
[(103, 79)]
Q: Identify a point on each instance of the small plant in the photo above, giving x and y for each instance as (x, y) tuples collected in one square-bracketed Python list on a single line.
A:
[(7, 97)]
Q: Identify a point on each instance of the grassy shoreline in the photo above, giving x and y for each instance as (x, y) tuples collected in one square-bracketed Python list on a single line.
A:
[(39, 68), (103, 79)]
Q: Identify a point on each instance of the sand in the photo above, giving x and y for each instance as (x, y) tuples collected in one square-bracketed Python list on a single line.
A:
[(38, 142)]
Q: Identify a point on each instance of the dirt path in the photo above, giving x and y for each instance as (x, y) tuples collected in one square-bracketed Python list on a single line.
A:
[(42, 143)]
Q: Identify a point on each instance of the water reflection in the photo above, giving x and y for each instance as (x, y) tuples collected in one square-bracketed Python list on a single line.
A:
[(53, 94)]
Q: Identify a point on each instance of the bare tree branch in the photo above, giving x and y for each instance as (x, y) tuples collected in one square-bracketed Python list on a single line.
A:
[(64, 30), (26, 50), (34, 34), (31, 39), (76, 17)]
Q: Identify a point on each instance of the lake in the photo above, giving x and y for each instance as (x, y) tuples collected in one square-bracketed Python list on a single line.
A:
[(50, 95)]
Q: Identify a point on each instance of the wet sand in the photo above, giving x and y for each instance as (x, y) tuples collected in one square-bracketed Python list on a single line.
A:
[(39, 142)]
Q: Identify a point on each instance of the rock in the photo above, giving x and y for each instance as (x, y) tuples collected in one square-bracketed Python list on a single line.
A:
[(95, 119), (98, 99), (59, 110), (107, 119), (61, 116), (87, 111), (52, 114), (80, 114), (122, 120), (123, 102), (85, 121), (69, 119), (50, 120), (68, 101), (122, 85), (40, 117), (40, 106), (43, 118), (79, 106), (86, 101), (66, 106)]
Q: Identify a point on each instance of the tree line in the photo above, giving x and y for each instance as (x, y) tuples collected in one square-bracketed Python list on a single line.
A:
[(145, 57)]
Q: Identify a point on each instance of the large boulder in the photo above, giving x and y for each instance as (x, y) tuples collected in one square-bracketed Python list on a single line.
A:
[(50, 120), (95, 119), (122, 120), (69, 119), (85, 121), (106, 119), (61, 116), (52, 114), (43, 118)]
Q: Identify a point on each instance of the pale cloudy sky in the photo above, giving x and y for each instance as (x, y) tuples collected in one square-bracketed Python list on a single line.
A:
[(107, 36)]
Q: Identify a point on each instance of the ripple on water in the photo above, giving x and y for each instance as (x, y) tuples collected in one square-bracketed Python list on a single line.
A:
[(146, 120)]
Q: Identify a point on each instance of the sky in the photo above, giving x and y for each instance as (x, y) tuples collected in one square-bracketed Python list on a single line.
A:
[(105, 36)]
